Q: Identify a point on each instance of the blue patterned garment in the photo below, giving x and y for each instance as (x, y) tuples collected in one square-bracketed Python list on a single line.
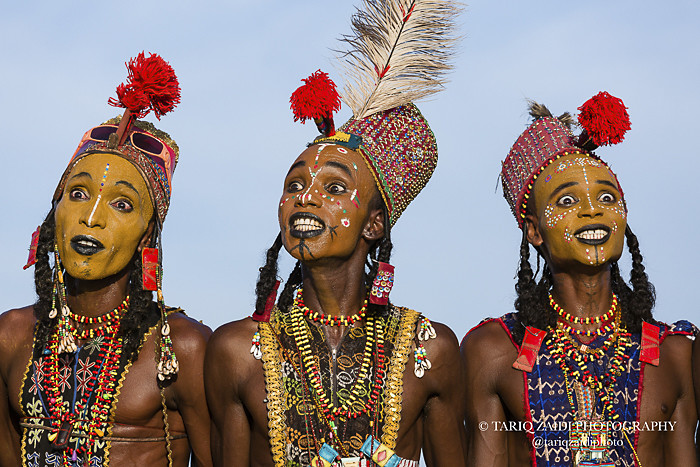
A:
[(549, 404)]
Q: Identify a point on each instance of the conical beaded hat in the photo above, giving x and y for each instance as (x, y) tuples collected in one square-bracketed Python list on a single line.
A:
[(400, 150)]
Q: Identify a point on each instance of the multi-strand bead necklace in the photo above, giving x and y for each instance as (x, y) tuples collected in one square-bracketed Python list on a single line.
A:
[(605, 320), (87, 419), (352, 407), (328, 320), (574, 359)]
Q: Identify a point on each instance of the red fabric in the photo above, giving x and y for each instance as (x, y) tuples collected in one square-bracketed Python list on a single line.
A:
[(149, 265), (264, 315), (151, 86), (316, 99), (650, 344), (31, 261), (527, 357), (605, 119)]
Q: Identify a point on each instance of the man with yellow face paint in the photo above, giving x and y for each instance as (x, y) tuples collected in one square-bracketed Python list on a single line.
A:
[(582, 374), (79, 382)]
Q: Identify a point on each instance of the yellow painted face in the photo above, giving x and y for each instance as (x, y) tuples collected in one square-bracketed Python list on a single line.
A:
[(580, 213), (102, 216), (325, 205)]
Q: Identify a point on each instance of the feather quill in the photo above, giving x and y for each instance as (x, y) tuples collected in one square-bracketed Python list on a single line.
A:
[(399, 51)]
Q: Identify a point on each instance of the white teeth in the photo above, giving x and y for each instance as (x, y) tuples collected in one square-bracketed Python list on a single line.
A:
[(306, 224), (87, 243), (596, 234)]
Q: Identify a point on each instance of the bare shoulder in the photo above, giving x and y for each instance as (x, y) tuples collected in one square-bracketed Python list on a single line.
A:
[(676, 353), (189, 335), (445, 345), (16, 328), (486, 344), (229, 347)]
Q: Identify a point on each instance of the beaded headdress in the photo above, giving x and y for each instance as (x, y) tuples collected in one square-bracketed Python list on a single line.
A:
[(604, 120), (398, 53), (151, 86)]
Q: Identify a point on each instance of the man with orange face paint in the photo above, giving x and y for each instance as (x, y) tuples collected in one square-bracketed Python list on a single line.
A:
[(329, 379), (582, 374), (80, 385)]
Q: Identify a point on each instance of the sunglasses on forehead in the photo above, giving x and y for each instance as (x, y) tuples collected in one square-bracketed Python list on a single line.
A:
[(141, 141)]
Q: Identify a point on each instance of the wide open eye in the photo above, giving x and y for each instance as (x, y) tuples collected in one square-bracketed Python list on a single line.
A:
[(336, 188), (566, 200), (78, 194), (295, 186), (122, 205), (607, 198)]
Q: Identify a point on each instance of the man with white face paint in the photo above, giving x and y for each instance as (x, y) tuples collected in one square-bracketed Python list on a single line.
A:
[(336, 374), (79, 382), (582, 371)]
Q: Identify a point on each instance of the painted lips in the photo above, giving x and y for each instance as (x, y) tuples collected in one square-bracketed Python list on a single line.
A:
[(305, 225), (85, 245), (593, 234)]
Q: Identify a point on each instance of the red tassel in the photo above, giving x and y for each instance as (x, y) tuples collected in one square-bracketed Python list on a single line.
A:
[(31, 261), (149, 266), (316, 99), (151, 85), (605, 119)]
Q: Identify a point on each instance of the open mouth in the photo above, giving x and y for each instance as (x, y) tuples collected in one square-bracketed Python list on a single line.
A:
[(593, 234), (84, 245), (305, 225)]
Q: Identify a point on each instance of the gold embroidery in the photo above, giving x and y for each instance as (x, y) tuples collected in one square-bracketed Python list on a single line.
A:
[(25, 432), (272, 367), (393, 392)]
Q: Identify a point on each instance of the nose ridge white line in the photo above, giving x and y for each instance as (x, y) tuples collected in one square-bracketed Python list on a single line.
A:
[(94, 208)]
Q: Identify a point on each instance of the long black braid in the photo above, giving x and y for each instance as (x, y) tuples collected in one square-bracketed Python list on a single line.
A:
[(141, 315), (532, 301)]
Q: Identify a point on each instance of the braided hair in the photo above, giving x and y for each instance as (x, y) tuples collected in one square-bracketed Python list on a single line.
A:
[(380, 251), (142, 313), (532, 302)]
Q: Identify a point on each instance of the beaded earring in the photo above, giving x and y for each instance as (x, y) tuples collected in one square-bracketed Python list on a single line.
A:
[(66, 340), (168, 365), (382, 284)]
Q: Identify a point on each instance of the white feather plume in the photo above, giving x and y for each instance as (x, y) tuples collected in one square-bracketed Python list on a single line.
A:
[(399, 52)]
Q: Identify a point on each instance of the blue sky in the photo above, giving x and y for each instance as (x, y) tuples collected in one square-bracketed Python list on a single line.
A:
[(456, 247)]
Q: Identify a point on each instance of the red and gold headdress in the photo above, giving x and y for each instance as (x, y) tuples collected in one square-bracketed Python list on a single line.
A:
[(604, 120), (398, 54), (151, 86)]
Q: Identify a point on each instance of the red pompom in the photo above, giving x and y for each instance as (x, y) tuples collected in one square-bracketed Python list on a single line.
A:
[(316, 99), (605, 119), (151, 85)]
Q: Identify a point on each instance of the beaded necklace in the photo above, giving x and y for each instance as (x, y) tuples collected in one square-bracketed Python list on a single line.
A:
[(328, 320), (352, 407), (576, 320), (605, 320), (88, 419), (109, 323), (574, 365)]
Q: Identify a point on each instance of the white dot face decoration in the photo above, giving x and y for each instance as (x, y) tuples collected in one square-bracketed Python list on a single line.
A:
[(345, 222)]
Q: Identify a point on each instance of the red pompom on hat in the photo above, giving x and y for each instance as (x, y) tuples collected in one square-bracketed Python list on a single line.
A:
[(151, 85), (317, 99), (605, 119)]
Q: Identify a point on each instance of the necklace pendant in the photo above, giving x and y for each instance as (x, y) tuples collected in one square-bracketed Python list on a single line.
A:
[(350, 461), (63, 435)]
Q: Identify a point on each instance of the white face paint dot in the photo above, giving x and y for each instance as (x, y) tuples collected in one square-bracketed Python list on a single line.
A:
[(342, 150), (345, 221)]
